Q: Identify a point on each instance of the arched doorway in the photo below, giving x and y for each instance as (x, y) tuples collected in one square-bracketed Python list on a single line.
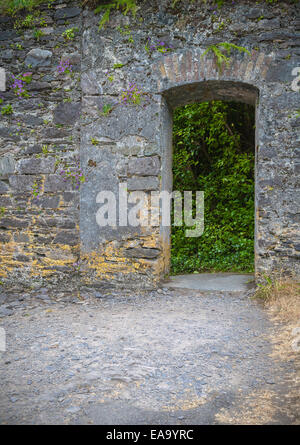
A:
[(187, 94)]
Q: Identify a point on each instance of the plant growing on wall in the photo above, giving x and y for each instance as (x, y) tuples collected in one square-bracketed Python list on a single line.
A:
[(221, 52), (118, 66), (38, 33), (106, 109), (71, 173), (7, 110), (12, 7), (134, 96), (109, 76), (124, 6), (77, 265), (69, 34), (64, 66), (126, 32), (19, 82), (159, 45), (36, 191), (94, 141), (131, 95)]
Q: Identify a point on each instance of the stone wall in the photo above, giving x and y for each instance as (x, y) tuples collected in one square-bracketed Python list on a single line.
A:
[(39, 237), (42, 239)]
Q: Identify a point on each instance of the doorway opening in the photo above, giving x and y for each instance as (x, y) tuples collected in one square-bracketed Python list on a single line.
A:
[(214, 152)]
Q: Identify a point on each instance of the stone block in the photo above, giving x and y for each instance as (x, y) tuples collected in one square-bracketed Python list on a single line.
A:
[(7, 166), (4, 188), (21, 183), (66, 13), (66, 237), (9, 133), (35, 165), (14, 223), (7, 35), (37, 57), (48, 202), (55, 183), (147, 166), (143, 183), (67, 113), (140, 252)]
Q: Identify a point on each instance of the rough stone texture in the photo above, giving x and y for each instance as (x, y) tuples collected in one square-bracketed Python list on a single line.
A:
[(35, 166), (138, 183), (133, 144), (39, 237), (179, 358), (7, 166), (149, 166), (183, 76), (66, 13), (38, 57), (66, 113)]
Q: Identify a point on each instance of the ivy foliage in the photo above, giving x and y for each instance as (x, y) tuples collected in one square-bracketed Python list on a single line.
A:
[(124, 5), (12, 7), (214, 152), (222, 52)]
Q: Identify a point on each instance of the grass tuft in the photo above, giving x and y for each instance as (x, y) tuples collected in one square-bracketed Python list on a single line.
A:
[(282, 296)]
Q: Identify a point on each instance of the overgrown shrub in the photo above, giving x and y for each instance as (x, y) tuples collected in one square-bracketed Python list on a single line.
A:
[(214, 152)]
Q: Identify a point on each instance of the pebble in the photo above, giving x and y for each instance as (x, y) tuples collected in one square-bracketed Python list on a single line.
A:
[(73, 409)]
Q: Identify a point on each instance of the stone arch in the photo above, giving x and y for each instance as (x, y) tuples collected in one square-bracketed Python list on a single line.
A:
[(190, 66), (187, 78)]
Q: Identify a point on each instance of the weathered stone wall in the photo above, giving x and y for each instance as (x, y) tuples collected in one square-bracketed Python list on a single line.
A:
[(39, 237), (133, 143)]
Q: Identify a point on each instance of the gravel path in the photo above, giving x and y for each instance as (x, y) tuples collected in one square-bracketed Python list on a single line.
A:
[(168, 357)]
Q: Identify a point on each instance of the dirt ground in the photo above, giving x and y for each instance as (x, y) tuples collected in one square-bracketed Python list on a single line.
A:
[(165, 357)]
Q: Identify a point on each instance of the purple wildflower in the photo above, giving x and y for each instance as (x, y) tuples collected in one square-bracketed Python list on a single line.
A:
[(64, 66)]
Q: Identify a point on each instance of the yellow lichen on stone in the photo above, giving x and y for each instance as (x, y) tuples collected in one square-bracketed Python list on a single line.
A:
[(7, 251), (108, 263)]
